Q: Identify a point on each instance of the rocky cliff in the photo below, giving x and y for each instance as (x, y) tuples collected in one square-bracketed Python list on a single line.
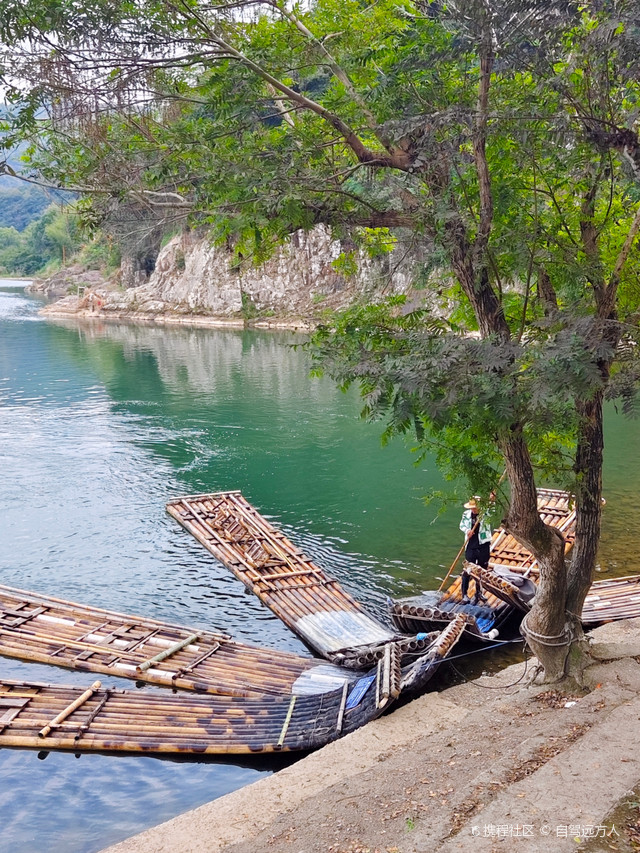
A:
[(193, 279)]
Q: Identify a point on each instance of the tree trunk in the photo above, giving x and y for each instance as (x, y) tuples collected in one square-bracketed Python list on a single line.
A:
[(475, 283), (545, 626), (588, 468), (546, 293)]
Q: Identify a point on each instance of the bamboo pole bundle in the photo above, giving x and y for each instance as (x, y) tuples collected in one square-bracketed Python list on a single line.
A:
[(78, 612), (236, 667), (611, 599), (262, 529), (216, 725)]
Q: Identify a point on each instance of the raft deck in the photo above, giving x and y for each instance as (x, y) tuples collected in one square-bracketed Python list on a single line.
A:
[(114, 720), (508, 555), (609, 600), (45, 717), (300, 593), (53, 631)]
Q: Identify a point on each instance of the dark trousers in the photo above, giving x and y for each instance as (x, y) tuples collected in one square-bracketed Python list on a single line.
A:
[(478, 554)]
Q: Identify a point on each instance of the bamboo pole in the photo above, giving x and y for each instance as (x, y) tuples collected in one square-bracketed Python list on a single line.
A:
[(458, 555), (147, 664), (343, 702), (70, 709), (287, 721)]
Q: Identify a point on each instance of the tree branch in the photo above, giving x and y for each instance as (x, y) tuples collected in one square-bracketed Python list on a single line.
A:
[(485, 217), (589, 235), (398, 160), (607, 308), (337, 70)]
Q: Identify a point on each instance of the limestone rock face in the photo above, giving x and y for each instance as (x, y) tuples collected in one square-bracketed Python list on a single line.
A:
[(196, 283), (193, 277)]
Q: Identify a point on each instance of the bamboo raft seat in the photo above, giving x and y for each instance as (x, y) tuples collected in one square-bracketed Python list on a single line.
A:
[(508, 584), (300, 593), (45, 717), (53, 631)]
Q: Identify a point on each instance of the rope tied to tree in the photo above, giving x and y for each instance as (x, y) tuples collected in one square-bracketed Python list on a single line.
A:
[(545, 639), (575, 615)]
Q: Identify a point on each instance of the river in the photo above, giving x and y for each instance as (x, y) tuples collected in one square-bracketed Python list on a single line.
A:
[(100, 424)]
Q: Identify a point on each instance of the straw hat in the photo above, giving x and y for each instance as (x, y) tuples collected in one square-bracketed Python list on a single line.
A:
[(472, 503)]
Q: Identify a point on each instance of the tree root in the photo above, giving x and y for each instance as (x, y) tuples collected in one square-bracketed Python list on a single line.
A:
[(575, 659)]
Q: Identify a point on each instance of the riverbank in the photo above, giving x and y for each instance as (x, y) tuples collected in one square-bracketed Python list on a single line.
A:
[(467, 769), (194, 283), (71, 308)]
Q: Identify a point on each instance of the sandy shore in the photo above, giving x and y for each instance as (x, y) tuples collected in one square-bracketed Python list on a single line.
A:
[(469, 769)]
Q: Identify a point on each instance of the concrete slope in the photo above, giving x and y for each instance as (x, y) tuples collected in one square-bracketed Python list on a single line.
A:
[(471, 769)]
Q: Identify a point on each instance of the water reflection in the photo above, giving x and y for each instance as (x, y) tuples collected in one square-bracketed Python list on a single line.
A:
[(236, 409)]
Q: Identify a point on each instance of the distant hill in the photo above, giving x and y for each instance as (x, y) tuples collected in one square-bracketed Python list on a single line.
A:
[(21, 203)]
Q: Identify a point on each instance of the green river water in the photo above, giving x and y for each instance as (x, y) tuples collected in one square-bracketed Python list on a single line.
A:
[(101, 424)]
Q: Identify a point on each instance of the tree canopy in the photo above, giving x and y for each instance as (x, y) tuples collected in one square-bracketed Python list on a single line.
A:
[(501, 134)]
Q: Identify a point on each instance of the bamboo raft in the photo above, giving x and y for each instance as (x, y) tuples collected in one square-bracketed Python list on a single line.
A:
[(509, 583), (45, 717), (609, 600), (50, 630), (299, 592)]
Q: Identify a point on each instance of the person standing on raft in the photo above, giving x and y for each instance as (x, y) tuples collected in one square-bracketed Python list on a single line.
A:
[(477, 531)]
